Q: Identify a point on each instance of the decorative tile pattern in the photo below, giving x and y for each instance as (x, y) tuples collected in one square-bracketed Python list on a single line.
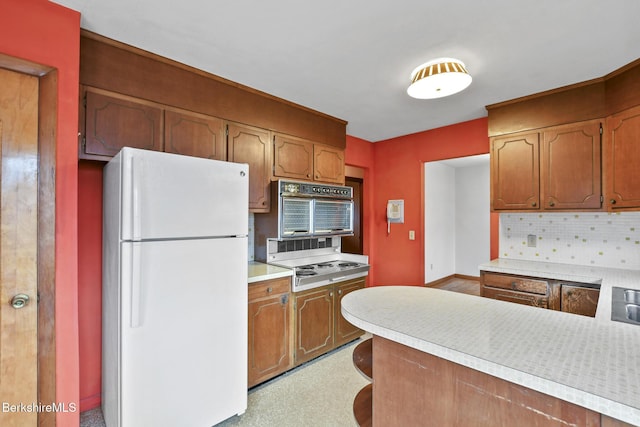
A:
[(596, 238)]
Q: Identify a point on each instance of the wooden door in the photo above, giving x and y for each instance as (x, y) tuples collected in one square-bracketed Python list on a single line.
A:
[(353, 244), (113, 121), (193, 134), (293, 158), (621, 160), (18, 246), (515, 172), (570, 166), (314, 323), (345, 331), (328, 164), (251, 145), (269, 330)]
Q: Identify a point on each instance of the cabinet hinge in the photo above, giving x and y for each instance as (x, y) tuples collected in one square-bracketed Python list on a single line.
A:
[(601, 131), (601, 199)]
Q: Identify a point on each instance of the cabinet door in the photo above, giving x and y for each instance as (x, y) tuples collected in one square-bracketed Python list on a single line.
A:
[(524, 298), (252, 145), (193, 134), (570, 166), (515, 174), (579, 300), (314, 323), (293, 158), (114, 121), (328, 164), (345, 331), (622, 157), (269, 330)]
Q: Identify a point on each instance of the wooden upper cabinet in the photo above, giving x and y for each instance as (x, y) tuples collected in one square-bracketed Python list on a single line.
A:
[(114, 121), (251, 145), (293, 157), (193, 134), (328, 164), (304, 160), (622, 157), (515, 183), (557, 168), (570, 167)]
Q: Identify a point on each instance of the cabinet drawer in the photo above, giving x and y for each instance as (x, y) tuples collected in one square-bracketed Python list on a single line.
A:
[(515, 283), (269, 287), (516, 297)]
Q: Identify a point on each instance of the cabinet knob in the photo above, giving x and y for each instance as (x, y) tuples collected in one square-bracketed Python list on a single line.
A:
[(612, 201), (269, 289), (534, 204), (551, 203)]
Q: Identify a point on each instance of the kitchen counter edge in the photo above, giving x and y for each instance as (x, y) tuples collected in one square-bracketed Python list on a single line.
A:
[(450, 325), (259, 272)]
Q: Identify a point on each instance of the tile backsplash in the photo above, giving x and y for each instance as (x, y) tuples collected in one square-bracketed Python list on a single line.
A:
[(595, 238)]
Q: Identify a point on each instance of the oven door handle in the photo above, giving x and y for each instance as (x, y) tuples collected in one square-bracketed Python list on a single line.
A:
[(337, 279)]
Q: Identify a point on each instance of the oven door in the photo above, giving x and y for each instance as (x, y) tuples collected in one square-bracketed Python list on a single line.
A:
[(332, 217), (295, 217)]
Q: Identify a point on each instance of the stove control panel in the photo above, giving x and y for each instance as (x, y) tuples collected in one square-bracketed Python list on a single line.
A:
[(307, 189)]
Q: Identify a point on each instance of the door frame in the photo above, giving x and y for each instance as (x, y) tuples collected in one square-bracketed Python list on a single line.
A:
[(47, 135)]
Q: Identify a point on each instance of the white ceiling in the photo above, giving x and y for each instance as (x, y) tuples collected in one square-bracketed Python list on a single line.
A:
[(352, 59)]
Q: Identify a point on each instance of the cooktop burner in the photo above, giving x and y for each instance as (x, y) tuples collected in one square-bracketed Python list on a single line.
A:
[(305, 273), (348, 264)]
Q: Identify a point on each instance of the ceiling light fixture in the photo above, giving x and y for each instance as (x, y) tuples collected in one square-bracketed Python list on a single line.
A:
[(438, 78)]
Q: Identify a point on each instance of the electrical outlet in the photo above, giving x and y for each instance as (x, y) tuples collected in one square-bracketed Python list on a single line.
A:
[(412, 235), (531, 240)]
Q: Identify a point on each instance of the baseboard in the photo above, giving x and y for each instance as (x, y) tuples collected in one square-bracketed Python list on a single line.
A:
[(452, 276)]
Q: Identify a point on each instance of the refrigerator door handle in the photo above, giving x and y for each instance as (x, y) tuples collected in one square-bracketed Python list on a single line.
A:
[(136, 286), (137, 177)]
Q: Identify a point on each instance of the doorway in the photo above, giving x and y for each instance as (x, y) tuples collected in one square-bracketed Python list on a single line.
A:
[(457, 217), (353, 244)]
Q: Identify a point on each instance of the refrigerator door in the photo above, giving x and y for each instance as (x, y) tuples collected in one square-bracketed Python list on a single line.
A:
[(183, 332), (167, 196)]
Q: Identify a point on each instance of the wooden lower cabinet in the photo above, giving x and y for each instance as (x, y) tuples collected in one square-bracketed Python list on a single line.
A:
[(516, 289), (413, 388), (576, 298), (320, 326), (270, 330)]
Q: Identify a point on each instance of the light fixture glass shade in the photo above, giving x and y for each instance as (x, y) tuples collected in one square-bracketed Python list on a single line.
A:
[(438, 78)]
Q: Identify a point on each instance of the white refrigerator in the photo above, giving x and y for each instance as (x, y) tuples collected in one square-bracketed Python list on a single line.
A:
[(174, 290)]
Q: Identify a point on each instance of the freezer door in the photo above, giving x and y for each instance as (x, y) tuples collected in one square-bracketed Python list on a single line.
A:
[(166, 196), (184, 332)]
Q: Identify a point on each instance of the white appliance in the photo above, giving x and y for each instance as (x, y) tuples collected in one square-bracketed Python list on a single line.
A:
[(174, 290)]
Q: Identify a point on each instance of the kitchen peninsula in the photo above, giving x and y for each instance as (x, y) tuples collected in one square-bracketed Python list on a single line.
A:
[(449, 357)]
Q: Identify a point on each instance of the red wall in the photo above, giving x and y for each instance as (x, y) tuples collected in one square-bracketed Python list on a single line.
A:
[(90, 281), (46, 33), (396, 166)]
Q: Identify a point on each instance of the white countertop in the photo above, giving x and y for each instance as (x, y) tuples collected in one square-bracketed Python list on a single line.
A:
[(590, 362), (259, 271)]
